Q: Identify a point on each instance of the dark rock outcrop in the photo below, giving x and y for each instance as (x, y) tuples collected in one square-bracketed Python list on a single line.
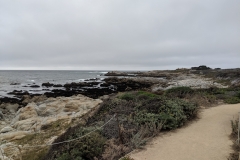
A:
[(47, 84), (34, 86), (15, 84), (81, 84), (9, 100), (117, 73), (18, 93), (57, 85), (123, 84)]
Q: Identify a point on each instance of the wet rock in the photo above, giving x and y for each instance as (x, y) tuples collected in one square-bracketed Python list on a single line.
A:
[(34, 86), (81, 84), (47, 84), (18, 93), (92, 79), (104, 85), (14, 84), (61, 92), (57, 85), (116, 73), (128, 83)]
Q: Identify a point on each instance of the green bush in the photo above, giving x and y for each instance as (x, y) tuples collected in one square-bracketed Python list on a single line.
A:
[(172, 112), (126, 158), (238, 94), (127, 96), (142, 118), (147, 95), (232, 100), (190, 109), (83, 149), (139, 95), (179, 92), (219, 91)]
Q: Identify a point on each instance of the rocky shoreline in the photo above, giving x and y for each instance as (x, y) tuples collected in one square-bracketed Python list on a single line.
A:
[(28, 114), (125, 81)]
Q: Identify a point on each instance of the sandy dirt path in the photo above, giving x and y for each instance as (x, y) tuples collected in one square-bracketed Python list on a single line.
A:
[(205, 139)]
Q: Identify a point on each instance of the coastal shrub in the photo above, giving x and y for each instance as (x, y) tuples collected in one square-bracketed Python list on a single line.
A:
[(84, 148), (146, 95), (151, 108), (238, 94), (172, 114), (126, 158), (127, 96), (219, 91), (140, 138), (232, 100), (190, 109), (234, 137), (179, 92), (136, 96), (142, 118), (152, 122), (114, 150), (139, 116)]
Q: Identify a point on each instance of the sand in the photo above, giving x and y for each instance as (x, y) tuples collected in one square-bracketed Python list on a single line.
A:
[(204, 139)]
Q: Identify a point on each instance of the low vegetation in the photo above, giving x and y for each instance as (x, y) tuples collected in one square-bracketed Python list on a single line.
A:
[(206, 97), (35, 139), (139, 116), (234, 137)]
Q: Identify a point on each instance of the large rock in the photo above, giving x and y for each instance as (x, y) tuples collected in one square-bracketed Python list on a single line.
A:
[(47, 84), (49, 117), (12, 107), (27, 112), (28, 99), (6, 129), (35, 115), (14, 135), (31, 124)]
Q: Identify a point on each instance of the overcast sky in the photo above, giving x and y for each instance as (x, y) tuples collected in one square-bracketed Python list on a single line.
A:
[(119, 34)]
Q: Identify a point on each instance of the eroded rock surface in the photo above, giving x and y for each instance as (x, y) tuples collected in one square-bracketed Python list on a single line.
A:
[(37, 116), (188, 80)]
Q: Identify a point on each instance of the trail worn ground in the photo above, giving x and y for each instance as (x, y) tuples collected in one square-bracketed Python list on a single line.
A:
[(205, 139)]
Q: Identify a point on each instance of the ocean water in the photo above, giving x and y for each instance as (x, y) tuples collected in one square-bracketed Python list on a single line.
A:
[(24, 79)]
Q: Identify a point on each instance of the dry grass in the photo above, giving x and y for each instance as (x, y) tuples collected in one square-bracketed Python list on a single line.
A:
[(114, 150), (234, 137)]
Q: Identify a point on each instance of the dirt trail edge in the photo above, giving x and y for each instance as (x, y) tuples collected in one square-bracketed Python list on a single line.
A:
[(205, 139)]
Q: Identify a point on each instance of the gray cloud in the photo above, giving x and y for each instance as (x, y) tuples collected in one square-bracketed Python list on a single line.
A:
[(106, 34)]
